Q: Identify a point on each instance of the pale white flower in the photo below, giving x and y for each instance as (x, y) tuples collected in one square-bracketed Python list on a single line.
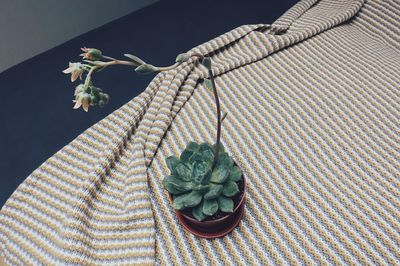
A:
[(82, 99), (76, 71)]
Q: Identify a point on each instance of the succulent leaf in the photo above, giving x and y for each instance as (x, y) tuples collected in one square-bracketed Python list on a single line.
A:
[(210, 207), (208, 156), (225, 204), (178, 201), (230, 189), (198, 213), (201, 188), (185, 155), (235, 174), (225, 159), (201, 172), (214, 191), (171, 189), (172, 162), (206, 146), (221, 148), (187, 200), (220, 174), (175, 185), (196, 157), (192, 146), (184, 171)]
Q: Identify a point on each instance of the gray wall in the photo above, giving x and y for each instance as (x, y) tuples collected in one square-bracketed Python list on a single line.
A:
[(29, 27)]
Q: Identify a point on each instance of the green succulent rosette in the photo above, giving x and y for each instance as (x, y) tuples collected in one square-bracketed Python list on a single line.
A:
[(195, 184)]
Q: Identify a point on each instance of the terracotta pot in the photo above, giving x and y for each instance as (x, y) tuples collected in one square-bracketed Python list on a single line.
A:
[(214, 227)]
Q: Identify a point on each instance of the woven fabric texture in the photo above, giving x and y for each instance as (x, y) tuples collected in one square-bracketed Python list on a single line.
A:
[(313, 120)]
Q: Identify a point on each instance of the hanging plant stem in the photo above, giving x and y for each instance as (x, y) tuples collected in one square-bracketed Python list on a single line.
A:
[(219, 122), (218, 106), (92, 63)]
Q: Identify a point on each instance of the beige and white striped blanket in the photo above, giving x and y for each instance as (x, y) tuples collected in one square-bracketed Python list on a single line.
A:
[(313, 120)]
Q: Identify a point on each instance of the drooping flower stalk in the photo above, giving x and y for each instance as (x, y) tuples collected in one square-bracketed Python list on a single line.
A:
[(86, 94), (219, 121), (207, 63)]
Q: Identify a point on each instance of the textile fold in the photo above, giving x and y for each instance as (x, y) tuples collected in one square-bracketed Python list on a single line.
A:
[(314, 127)]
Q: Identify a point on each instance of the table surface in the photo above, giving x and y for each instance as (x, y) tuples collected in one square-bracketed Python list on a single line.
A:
[(36, 114)]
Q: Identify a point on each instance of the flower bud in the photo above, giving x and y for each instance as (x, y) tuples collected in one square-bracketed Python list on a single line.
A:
[(95, 91), (91, 54), (93, 100), (105, 97), (79, 89)]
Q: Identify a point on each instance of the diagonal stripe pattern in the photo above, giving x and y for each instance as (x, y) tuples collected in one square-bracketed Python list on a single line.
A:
[(313, 121)]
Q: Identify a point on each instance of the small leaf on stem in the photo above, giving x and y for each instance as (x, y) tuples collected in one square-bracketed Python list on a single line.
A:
[(223, 117), (146, 69), (208, 84), (182, 58), (135, 59), (207, 62)]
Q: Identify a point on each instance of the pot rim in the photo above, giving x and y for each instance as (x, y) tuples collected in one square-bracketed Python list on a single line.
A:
[(224, 217)]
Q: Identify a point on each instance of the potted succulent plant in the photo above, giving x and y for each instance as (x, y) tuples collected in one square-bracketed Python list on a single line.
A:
[(206, 187), (206, 190)]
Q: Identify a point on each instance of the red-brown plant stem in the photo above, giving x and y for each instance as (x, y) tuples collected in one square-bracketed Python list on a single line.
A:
[(219, 122), (210, 74)]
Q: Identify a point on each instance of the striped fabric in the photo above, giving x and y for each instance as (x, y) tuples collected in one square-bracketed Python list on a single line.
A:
[(313, 109)]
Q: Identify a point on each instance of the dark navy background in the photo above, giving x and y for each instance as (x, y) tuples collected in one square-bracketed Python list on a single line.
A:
[(36, 115)]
